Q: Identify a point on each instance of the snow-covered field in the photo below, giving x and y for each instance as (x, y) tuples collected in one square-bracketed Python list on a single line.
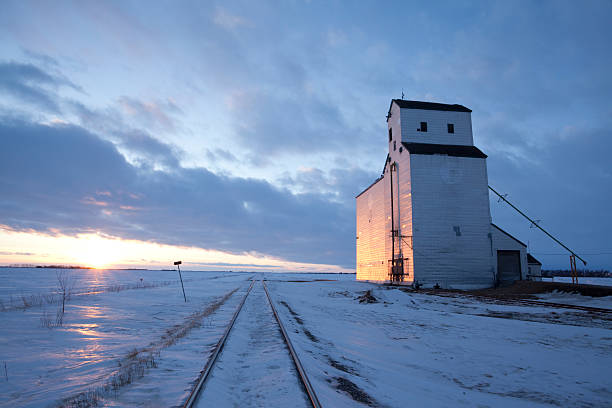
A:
[(131, 342), (581, 280)]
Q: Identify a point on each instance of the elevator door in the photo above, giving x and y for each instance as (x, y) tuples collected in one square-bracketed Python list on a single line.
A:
[(508, 267)]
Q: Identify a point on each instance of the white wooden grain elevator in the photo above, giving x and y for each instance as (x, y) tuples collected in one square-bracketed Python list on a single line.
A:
[(427, 220)]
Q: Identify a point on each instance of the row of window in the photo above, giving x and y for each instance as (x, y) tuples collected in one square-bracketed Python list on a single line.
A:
[(450, 127)]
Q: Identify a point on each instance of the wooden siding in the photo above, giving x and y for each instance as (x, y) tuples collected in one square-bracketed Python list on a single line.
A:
[(451, 221), (372, 233), (504, 242), (403, 196), (437, 131)]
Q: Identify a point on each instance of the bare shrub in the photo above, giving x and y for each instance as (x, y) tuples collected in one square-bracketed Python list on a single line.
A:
[(135, 363), (114, 288), (131, 368), (65, 286), (85, 399), (65, 291), (45, 320), (26, 301), (59, 318)]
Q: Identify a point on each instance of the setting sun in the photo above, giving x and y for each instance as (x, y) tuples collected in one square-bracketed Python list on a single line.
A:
[(102, 251), (98, 251)]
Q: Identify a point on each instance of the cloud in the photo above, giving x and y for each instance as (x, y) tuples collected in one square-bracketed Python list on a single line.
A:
[(43, 59), (50, 177), (566, 184), (277, 124), (340, 185), (215, 155), (151, 115), (129, 124), (225, 19), (30, 84), (137, 144)]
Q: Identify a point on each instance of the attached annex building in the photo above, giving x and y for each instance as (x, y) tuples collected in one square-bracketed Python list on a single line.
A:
[(427, 219)]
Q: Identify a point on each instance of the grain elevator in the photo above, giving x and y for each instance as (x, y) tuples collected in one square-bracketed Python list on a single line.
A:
[(426, 219)]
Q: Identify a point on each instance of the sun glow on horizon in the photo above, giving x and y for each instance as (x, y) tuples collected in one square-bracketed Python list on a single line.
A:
[(100, 251)]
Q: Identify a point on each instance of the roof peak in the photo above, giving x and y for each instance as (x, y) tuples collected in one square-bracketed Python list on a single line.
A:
[(405, 104)]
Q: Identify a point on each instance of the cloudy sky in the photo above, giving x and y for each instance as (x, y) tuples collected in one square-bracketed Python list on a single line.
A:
[(236, 134)]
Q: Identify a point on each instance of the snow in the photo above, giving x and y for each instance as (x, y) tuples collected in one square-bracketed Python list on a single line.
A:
[(47, 365), (581, 280), (408, 348), (604, 302), (255, 367), (434, 351)]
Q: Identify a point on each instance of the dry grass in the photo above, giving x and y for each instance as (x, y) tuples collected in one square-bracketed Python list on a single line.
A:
[(24, 301), (134, 364)]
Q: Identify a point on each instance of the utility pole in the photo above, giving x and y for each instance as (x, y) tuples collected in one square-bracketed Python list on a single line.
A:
[(178, 263), (535, 223)]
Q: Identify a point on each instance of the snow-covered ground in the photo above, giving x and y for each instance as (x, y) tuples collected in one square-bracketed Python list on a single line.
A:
[(126, 342), (109, 337), (581, 280), (576, 299), (424, 350), (255, 367)]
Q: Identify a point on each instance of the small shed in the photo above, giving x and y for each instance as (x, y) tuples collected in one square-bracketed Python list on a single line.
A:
[(534, 268), (510, 257)]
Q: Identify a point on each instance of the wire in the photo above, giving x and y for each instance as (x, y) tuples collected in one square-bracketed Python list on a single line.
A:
[(548, 253), (535, 223)]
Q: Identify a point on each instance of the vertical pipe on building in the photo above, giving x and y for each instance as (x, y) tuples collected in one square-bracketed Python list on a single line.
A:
[(399, 217), (392, 224)]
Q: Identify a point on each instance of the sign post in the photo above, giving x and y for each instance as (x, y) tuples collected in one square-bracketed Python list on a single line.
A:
[(178, 263)]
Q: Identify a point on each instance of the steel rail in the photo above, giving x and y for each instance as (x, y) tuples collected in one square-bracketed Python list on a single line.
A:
[(298, 365), (204, 375)]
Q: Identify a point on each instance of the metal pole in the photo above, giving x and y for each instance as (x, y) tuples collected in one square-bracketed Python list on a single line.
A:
[(536, 224), (392, 226), (574, 271), (178, 265)]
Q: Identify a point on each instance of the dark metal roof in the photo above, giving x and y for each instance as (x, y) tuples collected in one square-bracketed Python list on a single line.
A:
[(386, 161), (378, 179), (429, 106), (370, 186), (501, 230), (449, 150), (532, 260)]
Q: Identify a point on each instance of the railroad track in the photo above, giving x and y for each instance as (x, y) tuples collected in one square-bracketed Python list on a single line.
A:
[(195, 397)]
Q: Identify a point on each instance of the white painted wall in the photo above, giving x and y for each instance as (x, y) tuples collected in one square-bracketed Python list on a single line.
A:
[(534, 271), (374, 242), (372, 234), (433, 194), (503, 242), (405, 123), (449, 192), (394, 124), (403, 195)]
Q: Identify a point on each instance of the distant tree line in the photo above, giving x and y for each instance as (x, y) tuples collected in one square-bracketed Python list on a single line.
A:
[(46, 266), (599, 273)]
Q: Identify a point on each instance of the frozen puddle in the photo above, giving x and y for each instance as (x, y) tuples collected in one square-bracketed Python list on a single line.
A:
[(255, 367)]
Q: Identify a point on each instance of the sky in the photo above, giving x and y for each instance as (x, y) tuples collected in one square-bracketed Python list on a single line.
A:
[(235, 135)]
